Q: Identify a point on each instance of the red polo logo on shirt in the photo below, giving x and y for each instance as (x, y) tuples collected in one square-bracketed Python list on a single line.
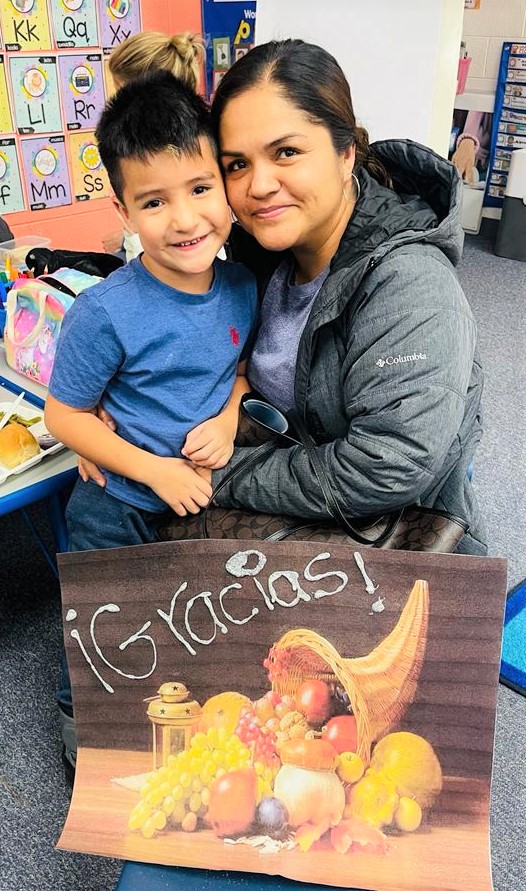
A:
[(234, 335)]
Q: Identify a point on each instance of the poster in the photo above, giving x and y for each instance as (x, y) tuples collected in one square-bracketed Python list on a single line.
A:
[(11, 195), (82, 87), (118, 19), (6, 121), (89, 177), (36, 100), (229, 31), (509, 121), (249, 706), (25, 25), (45, 172), (74, 23)]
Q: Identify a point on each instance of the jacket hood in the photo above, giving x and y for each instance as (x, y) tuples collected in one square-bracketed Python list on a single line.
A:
[(424, 205)]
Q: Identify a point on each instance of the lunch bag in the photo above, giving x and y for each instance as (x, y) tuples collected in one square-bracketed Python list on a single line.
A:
[(35, 308)]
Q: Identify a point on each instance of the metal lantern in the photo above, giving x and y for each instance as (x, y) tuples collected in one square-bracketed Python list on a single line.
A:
[(175, 718)]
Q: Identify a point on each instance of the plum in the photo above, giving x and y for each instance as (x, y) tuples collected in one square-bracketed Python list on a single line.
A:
[(272, 817)]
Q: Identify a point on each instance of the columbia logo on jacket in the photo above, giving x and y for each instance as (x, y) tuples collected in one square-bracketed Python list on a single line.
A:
[(396, 360)]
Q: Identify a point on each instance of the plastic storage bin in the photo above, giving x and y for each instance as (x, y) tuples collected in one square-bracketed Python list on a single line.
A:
[(511, 234), (18, 248)]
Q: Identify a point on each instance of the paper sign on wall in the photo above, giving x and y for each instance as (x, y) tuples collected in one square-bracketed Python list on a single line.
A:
[(6, 121), (90, 179), (11, 195), (82, 87), (35, 93), (74, 23), (25, 25), (118, 19), (229, 30), (46, 172)]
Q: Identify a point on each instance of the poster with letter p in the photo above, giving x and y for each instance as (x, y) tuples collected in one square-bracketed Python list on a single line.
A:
[(253, 706), (229, 30)]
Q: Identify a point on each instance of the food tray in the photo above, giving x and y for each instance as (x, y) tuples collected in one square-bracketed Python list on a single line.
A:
[(18, 248), (26, 410)]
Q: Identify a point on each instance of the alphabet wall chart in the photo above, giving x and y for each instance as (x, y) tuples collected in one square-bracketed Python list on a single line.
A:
[(53, 85)]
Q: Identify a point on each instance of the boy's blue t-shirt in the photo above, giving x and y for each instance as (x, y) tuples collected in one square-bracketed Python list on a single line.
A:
[(159, 360)]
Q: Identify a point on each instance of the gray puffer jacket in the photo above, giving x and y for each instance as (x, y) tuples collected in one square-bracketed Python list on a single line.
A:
[(387, 377)]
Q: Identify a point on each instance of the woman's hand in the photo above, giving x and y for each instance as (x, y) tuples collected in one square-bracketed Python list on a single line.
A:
[(105, 417), (89, 471)]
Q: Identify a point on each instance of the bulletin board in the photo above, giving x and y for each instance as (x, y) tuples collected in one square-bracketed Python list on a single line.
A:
[(509, 119), (54, 85), (54, 81), (229, 32)]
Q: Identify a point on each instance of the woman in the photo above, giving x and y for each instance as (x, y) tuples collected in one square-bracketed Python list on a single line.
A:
[(365, 330), (145, 53), (364, 327)]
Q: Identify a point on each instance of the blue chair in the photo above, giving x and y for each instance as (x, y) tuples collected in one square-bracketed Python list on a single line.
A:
[(148, 877)]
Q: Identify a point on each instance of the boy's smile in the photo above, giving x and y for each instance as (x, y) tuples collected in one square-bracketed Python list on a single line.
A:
[(178, 207)]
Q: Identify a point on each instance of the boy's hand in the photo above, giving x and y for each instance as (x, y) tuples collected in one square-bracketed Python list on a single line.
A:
[(177, 483), (211, 444)]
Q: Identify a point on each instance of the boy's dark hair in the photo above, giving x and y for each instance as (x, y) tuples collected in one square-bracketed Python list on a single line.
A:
[(148, 116)]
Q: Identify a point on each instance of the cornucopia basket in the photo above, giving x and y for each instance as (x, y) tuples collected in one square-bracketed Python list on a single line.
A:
[(380, 685)]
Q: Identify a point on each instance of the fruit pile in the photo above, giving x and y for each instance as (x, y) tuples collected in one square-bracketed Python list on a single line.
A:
[(287, 766), (179, 794)]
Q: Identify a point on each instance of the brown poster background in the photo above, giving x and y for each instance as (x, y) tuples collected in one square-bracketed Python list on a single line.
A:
[(207, 614)]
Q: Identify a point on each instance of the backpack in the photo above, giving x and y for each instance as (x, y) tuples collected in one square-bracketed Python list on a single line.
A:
[(35, 308)]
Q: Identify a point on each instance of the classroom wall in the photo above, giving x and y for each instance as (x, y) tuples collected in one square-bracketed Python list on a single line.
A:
[(80, 226), (484, 31), (400, 58)]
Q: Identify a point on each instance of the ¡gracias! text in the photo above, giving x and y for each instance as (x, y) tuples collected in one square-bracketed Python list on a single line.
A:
[(247, 565)]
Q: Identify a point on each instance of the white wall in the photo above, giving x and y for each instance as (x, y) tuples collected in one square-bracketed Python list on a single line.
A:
[(484, 31), (400, 57)]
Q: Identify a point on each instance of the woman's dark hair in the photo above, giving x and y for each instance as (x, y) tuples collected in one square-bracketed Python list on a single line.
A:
[(310, 78), (147, 116)]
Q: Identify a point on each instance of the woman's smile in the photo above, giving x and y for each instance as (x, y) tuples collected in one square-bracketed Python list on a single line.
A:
[(270, 213)]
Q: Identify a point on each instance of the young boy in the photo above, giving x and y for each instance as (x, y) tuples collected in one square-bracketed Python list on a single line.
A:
[(159, 343)]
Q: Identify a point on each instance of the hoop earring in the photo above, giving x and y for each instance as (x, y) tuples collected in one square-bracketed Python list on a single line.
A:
[(358, 188)]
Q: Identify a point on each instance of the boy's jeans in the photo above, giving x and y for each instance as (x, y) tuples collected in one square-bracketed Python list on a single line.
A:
[(96, 520)]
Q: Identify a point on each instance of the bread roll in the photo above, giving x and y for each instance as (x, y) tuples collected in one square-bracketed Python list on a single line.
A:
[(17, 445)]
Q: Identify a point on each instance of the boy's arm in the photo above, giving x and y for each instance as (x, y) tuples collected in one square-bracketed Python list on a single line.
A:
[(211, 443), (172, 479)]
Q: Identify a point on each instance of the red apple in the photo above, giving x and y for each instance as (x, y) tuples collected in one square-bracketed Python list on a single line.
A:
[(313, 699), (342, 733), (233, 799)]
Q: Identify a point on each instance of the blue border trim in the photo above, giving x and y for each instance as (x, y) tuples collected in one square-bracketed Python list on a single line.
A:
[(510, 675), (37, 491), (28, 397)]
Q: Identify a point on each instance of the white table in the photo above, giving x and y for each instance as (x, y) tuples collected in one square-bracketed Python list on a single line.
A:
[(47, 480)]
